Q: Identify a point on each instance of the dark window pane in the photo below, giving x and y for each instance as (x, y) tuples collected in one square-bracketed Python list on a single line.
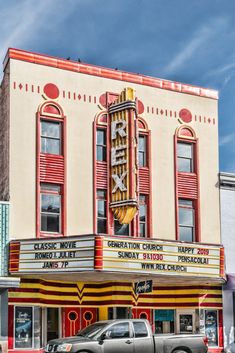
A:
[(186, 234), (142, 230), (119, 330), (50, 203), (50, 222), (101, 226), (121, 229), (140, 329)]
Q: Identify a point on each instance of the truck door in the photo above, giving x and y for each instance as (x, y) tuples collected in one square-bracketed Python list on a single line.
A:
[(119, 339), (143, 340)]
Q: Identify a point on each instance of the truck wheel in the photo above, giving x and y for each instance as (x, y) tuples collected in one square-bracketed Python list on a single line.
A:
[(179, 351)]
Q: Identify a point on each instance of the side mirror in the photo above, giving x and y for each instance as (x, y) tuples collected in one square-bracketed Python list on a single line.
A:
[(103, 336)]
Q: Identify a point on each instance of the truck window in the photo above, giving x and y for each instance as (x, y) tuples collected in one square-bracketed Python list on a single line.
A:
[(140, 329), (120, 330)]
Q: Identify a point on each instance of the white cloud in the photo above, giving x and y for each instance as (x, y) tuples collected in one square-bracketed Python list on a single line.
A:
[(224, 140), (202, 36), (22, 21)]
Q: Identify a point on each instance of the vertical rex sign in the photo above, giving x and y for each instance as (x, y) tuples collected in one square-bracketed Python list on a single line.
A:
[(123, 161)]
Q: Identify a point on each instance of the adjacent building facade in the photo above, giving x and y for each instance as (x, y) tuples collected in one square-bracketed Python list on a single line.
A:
[(227, 197), (113, 209)]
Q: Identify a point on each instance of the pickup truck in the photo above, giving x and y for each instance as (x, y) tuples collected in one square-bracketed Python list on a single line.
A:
[(126, 336)]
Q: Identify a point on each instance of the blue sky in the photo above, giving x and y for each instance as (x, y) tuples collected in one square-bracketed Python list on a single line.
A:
[(191, 41)]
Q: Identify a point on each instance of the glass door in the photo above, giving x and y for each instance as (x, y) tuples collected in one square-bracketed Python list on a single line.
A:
[(52, 323), (185, 321)]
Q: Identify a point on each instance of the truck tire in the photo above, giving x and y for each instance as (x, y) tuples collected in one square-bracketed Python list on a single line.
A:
[(179, 351)]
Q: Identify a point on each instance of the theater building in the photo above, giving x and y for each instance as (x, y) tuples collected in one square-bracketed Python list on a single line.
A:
[(114, 200)]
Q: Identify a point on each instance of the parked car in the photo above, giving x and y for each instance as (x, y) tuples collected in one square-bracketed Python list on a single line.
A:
[(127, 336)]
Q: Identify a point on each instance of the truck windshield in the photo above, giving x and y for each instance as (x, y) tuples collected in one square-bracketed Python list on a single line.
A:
[(92, 330)]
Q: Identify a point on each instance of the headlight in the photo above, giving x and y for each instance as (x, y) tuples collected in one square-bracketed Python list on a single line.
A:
[(64, 347)]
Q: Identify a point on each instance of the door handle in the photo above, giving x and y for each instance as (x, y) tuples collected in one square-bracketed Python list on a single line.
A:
[(128, 342)]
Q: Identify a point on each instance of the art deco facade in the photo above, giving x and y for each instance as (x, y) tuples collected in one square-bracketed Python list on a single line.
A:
[(112, 181)]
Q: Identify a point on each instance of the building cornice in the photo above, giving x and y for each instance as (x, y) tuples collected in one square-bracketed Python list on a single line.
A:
[(108, 73)]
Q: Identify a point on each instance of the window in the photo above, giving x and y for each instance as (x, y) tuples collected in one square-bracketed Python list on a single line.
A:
[(50, 208), (186, 220), (185, 157), (119, 331), (164, 321), (142, 216), (101, 145), (121, 229), (142, 151), (51, 137), (140, 329), (101, 212)]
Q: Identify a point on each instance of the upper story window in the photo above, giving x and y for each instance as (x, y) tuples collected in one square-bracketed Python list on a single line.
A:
[(50, 208), (101, 212), (142, 150), (186, 220), (101, 144), (121, 229), (51, 137), (185, 157), (142, 216)]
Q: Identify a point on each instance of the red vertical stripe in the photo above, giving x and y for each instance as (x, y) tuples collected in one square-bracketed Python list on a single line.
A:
[(98, 253)]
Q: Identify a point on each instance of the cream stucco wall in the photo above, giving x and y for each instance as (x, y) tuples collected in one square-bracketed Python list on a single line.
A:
[(80, 116)]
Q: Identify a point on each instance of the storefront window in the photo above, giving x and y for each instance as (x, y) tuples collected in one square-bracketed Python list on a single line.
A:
[(211, 327), (186, 323), (164, 321), (23, 327)]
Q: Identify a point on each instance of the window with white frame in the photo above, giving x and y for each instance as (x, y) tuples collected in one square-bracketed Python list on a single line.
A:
[(50, 208), (185, 157), (51, 137), (186, 220)]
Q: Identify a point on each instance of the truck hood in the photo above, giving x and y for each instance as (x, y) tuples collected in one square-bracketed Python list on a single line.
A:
[(72, 340)]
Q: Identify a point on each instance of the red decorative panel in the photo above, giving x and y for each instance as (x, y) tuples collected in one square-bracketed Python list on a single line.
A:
[(187, 185), (98, 253), (14, 256), (10, 325), (51, 91), (71, 321), (186, 132), (101, 175), (51, 168), (88, 316), (51, 109), (144, 180), (185, 115)]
